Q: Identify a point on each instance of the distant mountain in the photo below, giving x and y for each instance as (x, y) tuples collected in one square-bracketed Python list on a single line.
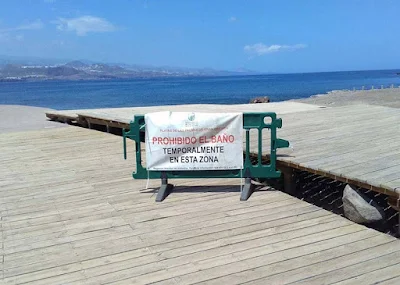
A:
[(76, 64), (173, 70), (16, 69), (16, 72)]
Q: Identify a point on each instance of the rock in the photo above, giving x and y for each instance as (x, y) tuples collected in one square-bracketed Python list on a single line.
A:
[(359, 208), (264, 99)]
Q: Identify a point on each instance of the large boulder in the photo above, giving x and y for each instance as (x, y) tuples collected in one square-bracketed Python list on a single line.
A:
[(359, 208), (264, 99)]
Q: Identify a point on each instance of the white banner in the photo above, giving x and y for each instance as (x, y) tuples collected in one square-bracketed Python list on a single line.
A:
[(194, 141)]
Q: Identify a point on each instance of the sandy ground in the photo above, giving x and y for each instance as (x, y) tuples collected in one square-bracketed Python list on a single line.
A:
[(16, 118), (381, 97)]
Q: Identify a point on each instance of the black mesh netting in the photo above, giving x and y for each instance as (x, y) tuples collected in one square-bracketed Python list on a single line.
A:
[(327, 193)]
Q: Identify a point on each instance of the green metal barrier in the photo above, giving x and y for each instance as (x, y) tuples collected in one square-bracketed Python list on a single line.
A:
[(259, 170)]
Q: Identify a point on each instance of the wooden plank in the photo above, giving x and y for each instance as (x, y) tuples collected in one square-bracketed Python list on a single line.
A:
[(290, 259), (181, 266), (71, 219), (288, 272), (221, 265), (351, 267), (394, 184), (390, 274), (391, 281), (131, 266)]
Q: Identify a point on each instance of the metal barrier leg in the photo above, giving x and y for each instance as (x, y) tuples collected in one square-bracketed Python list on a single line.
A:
[(247, 189), (165, 188)]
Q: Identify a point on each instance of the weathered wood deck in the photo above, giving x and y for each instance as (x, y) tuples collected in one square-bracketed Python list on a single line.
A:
[(356, 144), (72, 214)]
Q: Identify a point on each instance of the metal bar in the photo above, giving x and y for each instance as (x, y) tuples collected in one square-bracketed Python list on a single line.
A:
[(247, 189), (273, 144), (124, 142), (247, 162), (259, 155), (165, 188)]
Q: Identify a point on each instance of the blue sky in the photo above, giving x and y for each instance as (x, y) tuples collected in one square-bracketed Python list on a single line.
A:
[(269, 36)]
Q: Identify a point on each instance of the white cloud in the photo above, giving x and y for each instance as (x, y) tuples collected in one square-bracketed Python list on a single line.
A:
[(35, 25), (85, 24), (232, 19), (261, 49)]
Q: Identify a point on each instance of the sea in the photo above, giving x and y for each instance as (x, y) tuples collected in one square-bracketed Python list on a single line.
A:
[(62, 95)]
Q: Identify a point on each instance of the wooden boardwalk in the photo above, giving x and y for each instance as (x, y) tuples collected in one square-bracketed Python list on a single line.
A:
[(72, 214), (356, 144)]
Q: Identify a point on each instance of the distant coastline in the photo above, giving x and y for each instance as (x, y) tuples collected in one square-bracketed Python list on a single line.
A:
[(33, 70), (78, 70)]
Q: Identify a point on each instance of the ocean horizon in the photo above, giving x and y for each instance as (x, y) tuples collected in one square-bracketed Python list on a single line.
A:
[(62, 95)]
